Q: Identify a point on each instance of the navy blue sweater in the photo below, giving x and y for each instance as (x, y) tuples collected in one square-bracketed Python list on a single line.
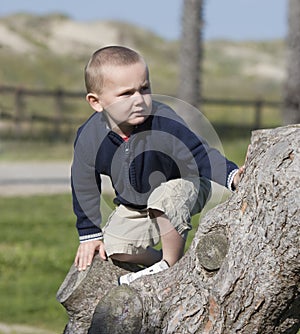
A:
[(161, 149)]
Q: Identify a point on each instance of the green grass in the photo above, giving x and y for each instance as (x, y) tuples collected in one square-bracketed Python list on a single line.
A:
[(37, 248), (30, 150)]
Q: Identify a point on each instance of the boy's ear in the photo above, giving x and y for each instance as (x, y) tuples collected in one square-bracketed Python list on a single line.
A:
[(94, 101)]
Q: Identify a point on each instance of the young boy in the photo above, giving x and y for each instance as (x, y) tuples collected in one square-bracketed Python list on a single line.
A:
[(160, 170)]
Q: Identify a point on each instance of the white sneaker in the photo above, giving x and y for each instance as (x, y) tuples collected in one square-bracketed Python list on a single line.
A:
[(154, 269)]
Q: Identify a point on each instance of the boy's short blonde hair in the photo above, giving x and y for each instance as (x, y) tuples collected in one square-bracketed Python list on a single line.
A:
[(110, 55)]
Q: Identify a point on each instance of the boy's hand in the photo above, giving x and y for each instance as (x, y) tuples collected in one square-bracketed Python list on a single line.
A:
[(86, 252), (237, 177)]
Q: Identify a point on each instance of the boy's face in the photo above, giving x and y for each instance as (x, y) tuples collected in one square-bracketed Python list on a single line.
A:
[(125, 96)]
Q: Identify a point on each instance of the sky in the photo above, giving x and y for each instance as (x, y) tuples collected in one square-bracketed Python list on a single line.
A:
[(229, 19)]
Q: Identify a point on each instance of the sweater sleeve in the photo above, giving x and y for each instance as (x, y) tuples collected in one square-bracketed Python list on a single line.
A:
[(212, 164), (86, 185), (86, 200), (195, 155)]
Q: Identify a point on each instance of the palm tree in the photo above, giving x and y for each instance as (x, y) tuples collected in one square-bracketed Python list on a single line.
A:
[(190, 55), (291, 110)]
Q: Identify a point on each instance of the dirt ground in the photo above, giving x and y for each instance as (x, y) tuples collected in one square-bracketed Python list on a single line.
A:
[(21, 329), (29, 178), (33, 178)]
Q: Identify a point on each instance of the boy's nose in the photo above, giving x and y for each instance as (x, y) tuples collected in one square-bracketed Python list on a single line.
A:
[(138, 97)]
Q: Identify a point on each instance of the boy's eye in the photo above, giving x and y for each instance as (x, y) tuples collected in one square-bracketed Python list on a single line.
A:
[(145, 88), (126, 93)]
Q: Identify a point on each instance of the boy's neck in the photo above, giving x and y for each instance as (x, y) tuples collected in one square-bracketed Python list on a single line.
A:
[(123, 132)]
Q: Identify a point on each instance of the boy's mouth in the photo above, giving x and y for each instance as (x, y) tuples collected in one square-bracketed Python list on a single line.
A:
[(136, 113)]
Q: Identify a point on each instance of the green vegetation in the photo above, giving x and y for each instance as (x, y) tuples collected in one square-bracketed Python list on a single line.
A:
[(231, 69), (243, 70), (30, 150), (224, 74), (36, 251)]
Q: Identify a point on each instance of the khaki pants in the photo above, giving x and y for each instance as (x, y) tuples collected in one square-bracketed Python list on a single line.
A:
[(131, 231)]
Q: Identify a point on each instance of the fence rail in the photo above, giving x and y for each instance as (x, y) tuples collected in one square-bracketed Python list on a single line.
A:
[(18, 117)]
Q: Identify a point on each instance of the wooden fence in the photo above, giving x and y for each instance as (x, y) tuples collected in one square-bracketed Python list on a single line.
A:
[(18, 118)]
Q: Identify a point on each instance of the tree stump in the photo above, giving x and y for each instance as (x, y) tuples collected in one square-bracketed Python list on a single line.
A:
[(240, 274)]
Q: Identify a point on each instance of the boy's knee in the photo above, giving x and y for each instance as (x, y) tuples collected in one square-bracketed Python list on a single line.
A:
[(154, 213), (204, 195), (121, 257)]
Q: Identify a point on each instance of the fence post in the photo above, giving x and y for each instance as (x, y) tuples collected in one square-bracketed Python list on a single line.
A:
[(59, 106), (19, 111), (258, 113)]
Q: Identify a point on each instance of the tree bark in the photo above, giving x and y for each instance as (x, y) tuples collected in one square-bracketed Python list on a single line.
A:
[(240, 274)]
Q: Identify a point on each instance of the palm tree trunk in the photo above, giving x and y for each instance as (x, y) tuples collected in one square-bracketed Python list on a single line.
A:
[(291, 110), (191, 52)]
